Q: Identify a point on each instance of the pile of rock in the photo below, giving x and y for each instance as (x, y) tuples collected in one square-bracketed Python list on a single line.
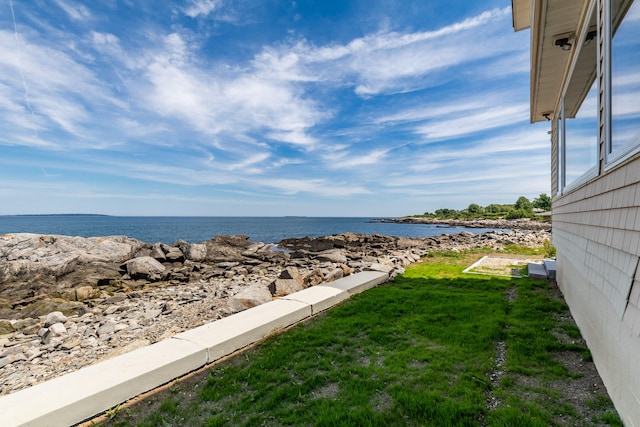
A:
[(67, 302), (507, 224)]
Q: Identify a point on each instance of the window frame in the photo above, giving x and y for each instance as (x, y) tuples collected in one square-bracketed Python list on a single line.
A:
[(612, 158)]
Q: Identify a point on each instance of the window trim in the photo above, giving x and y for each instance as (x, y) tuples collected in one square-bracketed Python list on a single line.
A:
[(611, 158)]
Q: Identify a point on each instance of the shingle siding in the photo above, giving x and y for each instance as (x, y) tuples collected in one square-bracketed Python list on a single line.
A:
[(596, 230)]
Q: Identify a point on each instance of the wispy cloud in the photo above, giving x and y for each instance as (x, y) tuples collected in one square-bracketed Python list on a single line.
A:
[(365, 117), (75, 10), (316, 186), (474, 122), (201, 7)]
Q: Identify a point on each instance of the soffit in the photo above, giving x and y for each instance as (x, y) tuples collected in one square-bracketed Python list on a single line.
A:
[(521, 14), (549, 62)]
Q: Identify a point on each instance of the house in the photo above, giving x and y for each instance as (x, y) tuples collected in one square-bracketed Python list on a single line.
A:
[(585, 80)]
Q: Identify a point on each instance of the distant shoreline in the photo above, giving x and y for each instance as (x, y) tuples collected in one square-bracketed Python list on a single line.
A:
[(67, 214), (525, 223)]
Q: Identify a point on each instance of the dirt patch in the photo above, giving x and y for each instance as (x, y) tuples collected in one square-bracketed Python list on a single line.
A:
[(501, 266), (578, 397)]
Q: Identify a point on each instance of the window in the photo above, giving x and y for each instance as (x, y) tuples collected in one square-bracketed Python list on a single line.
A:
[(578, 131), (625, 81), (560, 180), (581, 140)]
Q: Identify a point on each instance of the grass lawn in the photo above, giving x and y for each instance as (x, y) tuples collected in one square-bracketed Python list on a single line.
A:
[(437, 347)]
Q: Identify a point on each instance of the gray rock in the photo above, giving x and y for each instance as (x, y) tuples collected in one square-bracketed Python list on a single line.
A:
[(173, 254), (249, 297), (332, 255), (11, 359), (112, 309), (313, 278), (169, 306), (380, 267), (334, 274), (292, 273), (106, 329), (54, 317), (70, 343), (24, 256), (57, 329), (282, 287), (33, 352), (157, 253), (153, 313), (16, 349), (6, 327), (196, 251), (144, 268)]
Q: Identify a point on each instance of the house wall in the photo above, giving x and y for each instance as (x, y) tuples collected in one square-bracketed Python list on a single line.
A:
[(596, 230)]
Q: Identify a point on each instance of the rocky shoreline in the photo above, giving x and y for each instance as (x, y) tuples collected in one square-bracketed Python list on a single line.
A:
[(519, 224), (68, 302)]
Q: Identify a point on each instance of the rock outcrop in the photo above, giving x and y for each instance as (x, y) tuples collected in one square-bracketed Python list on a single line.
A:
[(506, 224), (66, 302)]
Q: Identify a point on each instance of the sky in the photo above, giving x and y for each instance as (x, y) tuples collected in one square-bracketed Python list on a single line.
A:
[(377, 108)]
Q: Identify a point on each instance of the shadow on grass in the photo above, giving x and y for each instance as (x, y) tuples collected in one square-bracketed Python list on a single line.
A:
[(418, 351)]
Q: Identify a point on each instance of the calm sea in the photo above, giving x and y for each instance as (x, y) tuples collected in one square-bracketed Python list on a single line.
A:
[(198, 229)]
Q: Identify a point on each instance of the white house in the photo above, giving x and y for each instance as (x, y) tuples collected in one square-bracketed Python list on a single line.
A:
[(585, 79)]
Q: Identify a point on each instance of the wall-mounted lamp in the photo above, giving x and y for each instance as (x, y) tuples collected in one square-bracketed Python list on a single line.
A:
[(563, 43), (564, 40), (591, 35)]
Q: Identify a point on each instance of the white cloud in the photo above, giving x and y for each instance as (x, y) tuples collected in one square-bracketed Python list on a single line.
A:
[(220, 102), (76, 11), (201, 7), (345, 160), (106, 43), (395, 62), (474, 122), (319, 187), (247, 165), (59, 88)]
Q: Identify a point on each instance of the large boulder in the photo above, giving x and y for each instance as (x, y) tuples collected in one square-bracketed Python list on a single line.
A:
[(144, 267), (282, 287), (196, 252), (249, 297), (24, 256), (333, 255)]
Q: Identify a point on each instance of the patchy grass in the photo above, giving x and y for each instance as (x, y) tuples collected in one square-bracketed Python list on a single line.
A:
[(419, 351)]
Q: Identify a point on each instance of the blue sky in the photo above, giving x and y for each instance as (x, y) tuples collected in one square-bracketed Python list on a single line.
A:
[(244, 107)]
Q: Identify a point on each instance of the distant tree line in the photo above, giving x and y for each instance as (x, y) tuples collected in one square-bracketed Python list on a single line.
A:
[(522, 208)]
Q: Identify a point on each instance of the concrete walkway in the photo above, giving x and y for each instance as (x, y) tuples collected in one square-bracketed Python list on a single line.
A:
[(82, 394)]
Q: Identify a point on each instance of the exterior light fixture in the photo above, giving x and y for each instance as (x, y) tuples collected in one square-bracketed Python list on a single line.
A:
[(591, 35), (564, 44), (564, 40)]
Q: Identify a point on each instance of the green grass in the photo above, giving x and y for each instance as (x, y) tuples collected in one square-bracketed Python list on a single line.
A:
[(418, 351)]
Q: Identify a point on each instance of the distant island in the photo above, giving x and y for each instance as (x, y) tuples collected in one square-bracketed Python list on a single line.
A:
[(66, 214)]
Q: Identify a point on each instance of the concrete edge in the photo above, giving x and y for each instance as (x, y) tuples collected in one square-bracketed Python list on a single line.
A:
[(239, 330), (474, 265), (360, 282), (69, 400), (319, 298), (78, 395)]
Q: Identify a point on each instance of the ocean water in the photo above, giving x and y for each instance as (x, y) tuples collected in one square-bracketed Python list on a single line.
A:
[(198, 229)]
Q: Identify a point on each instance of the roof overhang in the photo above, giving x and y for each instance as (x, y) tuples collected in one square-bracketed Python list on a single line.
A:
[(551, 20)]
